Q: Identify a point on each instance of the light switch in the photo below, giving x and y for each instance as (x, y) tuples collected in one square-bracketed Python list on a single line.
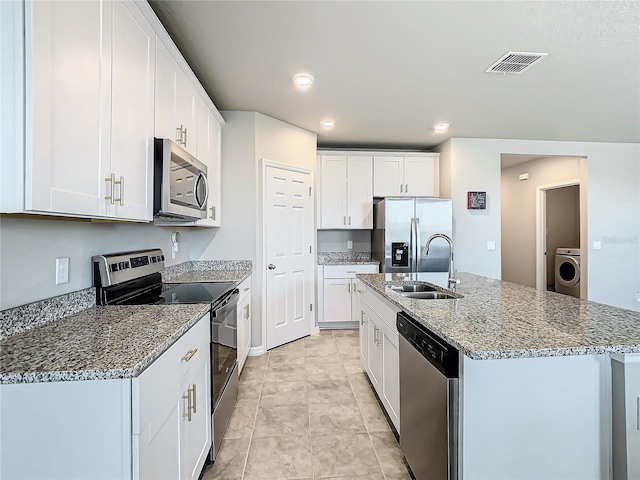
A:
[(597, 245), (349, 244), (491, 245)]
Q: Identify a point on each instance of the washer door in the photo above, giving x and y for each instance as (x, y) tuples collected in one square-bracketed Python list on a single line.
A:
[(567, 271)]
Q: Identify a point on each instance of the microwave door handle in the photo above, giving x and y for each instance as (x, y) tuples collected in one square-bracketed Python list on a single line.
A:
[(201, 178)]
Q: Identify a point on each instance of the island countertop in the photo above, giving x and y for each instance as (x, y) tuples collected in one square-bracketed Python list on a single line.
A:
[(496, 319), (95, 344)]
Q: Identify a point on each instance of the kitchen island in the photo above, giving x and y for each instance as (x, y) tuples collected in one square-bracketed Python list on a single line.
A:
[(535, 396)]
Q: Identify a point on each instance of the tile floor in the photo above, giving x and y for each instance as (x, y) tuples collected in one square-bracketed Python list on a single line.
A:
[(306, 411)]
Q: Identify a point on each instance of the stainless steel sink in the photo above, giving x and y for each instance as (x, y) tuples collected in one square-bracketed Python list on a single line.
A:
[(429, 295), (414, 288)]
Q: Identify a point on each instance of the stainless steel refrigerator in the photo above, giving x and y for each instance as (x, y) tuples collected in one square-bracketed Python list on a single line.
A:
[(402, 225)]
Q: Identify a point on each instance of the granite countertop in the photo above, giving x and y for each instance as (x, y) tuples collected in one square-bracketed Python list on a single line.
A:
[(206, 276), (112, 342), (346, 258), (496, 319), (206, 271)]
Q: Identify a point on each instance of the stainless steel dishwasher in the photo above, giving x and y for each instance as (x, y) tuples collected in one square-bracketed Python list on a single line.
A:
[(428, 402)]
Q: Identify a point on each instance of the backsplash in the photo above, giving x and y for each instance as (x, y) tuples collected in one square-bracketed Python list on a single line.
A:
[(19, 319), (324, 257)]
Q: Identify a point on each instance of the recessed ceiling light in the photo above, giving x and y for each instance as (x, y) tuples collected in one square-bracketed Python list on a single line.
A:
[(441, 127), (303, 79), (327, 123)]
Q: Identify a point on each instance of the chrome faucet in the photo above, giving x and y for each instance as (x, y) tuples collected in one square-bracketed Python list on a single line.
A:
[(453, 281)]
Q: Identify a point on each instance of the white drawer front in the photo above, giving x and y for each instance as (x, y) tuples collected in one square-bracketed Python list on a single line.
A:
[(348, 271)]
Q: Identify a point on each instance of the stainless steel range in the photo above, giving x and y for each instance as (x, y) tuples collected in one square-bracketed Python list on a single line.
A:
[(134, 278)]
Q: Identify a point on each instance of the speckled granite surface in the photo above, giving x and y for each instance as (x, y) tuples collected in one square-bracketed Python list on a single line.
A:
[(346, 258), (19, 319), (98, 343), (208, 271), (497, 319)]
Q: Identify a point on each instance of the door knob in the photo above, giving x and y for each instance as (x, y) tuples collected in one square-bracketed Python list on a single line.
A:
[(271, 266)]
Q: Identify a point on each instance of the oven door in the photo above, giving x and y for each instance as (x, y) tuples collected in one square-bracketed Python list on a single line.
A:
[(224, 344)]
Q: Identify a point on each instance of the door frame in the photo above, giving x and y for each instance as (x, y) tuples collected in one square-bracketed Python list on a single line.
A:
[(262, 252), (541, 228)]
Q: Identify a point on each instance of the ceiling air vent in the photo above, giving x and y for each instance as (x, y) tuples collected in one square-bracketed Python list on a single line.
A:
[(515, 62)]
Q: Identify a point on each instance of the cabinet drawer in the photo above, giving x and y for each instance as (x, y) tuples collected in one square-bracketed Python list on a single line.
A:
[(245, 288), (158, 387), (348, 271), (383, 309)]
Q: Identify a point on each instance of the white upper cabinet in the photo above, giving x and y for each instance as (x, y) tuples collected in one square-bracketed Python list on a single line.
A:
[(346, 197), (209, 152), (89, 69), (406, 176), (176, 102), (132, 114)]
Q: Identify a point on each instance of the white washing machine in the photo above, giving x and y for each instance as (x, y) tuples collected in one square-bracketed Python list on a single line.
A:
[(568, 271)]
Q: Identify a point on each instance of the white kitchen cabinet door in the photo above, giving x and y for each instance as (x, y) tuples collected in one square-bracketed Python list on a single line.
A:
[(358, 315), (391, 375), (243, 312), (360, 192), (156, 450), (175, 102), (67, 106), (334, 192), (208, 151), (132, 115), (419, 176), (388, 176), (374, 344), (195, 426), (337, 299)]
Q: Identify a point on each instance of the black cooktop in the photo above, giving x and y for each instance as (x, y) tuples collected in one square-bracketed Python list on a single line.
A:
[(194, 292)]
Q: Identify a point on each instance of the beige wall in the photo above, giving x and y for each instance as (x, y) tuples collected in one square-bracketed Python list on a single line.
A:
[(518, 213)]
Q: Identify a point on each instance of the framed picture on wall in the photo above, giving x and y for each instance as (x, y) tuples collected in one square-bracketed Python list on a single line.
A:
[(476, 200)]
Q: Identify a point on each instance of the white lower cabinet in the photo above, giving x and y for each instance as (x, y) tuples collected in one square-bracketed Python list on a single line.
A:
[(379, 351), (338, 293), (156, 426), (244, 322)]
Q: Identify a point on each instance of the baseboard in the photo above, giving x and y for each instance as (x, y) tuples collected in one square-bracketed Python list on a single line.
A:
[(257, 351), (338, 325)]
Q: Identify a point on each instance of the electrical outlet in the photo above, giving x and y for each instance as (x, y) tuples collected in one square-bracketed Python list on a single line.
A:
[(491, 245), (349, 244), (638, 297), (62, 270)]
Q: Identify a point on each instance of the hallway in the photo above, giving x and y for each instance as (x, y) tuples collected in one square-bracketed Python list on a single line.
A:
[(306, 411)]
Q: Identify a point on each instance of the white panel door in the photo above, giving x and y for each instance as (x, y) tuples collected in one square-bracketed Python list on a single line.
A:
[(419, 176), (208, 152), (288, 231), (360, 192), (391, 376), (132, 114), (334, 192), (67, 107), (374, 360), (388, 176)]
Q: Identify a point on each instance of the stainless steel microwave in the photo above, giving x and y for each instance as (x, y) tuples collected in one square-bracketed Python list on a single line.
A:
[(180, 187)]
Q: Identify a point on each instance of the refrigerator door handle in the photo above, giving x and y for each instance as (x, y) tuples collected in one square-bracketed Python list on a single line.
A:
[(412, 247), (418, 244)]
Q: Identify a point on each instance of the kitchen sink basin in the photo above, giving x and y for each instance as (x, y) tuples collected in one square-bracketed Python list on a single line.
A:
[(414, 288), (428, 295)]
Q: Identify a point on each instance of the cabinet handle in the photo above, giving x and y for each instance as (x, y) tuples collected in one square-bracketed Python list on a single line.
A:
[(344, 220), (349, 219), (184, 139), (189, 355), (213, 212), (352, 271), (187, 397), (400, 188), (112, 180), (406, 188), (179, 135), (194, 398), (349, 287), (121, 199), (246, 307), (361, 317)]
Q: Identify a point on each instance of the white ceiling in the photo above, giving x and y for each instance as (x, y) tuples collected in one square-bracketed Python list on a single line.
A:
[(386, 72)]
